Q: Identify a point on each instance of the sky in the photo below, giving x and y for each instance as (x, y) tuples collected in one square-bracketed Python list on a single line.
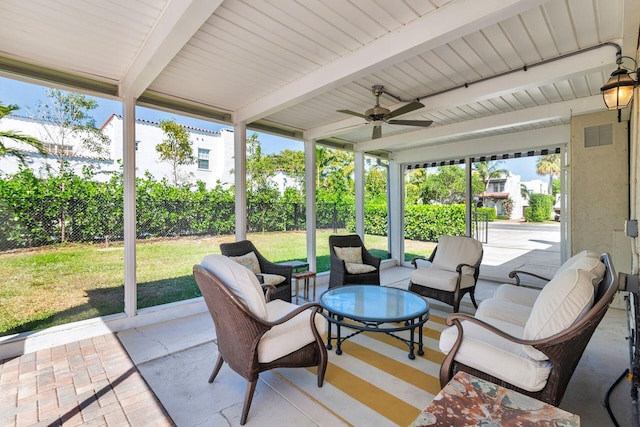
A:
[(28, 95)]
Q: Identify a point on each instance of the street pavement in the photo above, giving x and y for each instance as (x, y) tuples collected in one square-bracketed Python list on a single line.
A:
[(520, 246)]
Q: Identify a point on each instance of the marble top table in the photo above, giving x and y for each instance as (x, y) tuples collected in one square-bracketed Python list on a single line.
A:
[(470, 401)]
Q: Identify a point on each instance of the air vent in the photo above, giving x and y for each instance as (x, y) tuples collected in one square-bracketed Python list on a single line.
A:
[(595, 136)]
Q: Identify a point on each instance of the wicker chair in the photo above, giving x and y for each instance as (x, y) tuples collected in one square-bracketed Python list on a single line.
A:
[(338, 275), (243, 247), (253, 335), (453, 271), (563, 349)]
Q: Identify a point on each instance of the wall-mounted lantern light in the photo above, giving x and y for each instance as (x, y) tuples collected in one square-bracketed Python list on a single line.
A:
[(618, 91)]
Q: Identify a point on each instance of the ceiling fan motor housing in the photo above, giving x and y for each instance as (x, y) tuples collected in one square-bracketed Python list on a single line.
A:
[(376, 113)]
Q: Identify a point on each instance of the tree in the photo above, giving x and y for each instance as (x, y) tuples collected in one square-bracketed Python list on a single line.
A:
[(375, 183), (334, 173), (8, 135), (549, 165), (175, 148), (260, 168), (291, 162), (69, 128), (71, 131), (487, 171)]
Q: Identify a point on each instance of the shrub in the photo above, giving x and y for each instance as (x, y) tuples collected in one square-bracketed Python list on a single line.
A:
[(539, 209)]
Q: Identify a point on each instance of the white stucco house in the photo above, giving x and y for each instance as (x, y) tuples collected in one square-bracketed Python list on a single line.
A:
[(213, 151), (500, 190)]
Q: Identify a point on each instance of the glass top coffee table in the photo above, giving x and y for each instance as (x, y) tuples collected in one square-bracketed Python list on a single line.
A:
[(373, 308)]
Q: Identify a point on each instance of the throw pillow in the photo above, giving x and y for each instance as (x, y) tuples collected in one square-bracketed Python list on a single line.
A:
[(249, 260), (349, 254)]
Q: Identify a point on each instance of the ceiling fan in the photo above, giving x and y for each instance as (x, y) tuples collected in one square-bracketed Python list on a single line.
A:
[(378, 115)]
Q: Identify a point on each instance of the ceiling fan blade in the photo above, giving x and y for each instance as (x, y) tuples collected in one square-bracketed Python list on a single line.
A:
[(377, 132), (353, 113), (412, 106), (423, 123)]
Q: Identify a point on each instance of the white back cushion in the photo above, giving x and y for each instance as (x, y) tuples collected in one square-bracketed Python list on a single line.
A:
[(562, 302), (240, 280), (585, 260), (454, 250)]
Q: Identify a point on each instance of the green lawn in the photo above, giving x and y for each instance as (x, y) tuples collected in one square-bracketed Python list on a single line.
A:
[(57, 285)]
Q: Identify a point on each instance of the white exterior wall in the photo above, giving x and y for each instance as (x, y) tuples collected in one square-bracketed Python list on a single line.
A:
[(39, 163), (537, 186), (148, 135), (512, 186)]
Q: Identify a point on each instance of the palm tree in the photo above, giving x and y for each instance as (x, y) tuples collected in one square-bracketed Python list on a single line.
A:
[(8, 135), (549, 165), (486, 171)]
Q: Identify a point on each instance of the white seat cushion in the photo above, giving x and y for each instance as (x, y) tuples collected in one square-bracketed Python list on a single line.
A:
[(497, 356), (454, 250), (443, 280), (289, 336), (354, 268), (562, 302), (272, 279), (500, 309), (240, 280), (517, 294)]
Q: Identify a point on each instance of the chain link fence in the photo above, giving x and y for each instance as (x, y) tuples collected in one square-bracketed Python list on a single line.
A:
[(100, 219)]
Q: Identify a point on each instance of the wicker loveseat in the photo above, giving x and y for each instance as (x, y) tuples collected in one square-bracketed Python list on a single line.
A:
[(531, 340)]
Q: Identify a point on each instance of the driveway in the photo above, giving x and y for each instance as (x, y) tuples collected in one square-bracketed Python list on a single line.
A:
[(520, 246)]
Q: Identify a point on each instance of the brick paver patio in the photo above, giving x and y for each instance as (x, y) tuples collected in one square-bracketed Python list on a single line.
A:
[(91, 383)]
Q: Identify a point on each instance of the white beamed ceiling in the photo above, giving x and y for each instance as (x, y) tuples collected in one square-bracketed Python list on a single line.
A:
[(290, 64)]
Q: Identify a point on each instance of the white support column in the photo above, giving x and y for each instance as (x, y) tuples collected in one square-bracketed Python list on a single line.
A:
[(396, 211), (240, 156), (310, 195), (565, 229), (358, 173), (129, 165), (468, 195)]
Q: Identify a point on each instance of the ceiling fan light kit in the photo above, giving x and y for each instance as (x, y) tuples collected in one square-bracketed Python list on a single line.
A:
[(379, 115)]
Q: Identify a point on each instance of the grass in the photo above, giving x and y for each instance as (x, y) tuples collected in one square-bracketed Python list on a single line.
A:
[(56, 285)]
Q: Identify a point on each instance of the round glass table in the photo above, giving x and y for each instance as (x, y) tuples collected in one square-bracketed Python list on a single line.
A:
[(373, 308)]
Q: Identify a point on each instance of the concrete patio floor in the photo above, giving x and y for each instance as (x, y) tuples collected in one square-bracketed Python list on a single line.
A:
[(96, 382)]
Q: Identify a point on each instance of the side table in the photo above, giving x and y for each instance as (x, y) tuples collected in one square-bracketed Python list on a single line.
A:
[(305, 276), (469, 401), (296, 266)]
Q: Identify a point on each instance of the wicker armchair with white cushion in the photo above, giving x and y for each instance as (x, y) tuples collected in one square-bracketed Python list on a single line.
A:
[(351, 262), (450, 272), (533, 345), (253, 333)]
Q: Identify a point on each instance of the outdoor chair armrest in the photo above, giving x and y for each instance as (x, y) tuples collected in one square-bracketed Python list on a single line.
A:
[(515, 275), (416, 259), (316, 306)]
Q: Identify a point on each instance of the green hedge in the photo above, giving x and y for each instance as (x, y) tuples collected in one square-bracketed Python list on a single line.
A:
[(539, 209)]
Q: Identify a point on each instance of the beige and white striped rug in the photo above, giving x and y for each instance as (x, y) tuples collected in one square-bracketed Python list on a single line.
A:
[(373, 382)]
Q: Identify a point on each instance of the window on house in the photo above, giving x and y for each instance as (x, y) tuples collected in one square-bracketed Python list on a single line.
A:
[(203, 158), (57, 150)]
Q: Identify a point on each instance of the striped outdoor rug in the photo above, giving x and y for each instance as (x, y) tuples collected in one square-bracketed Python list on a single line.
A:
[(373, 382)]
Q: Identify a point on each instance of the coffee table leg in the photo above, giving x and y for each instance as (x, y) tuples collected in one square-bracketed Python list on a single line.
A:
[(329, 346), (412, 339), (420, 345), (338, 349)]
